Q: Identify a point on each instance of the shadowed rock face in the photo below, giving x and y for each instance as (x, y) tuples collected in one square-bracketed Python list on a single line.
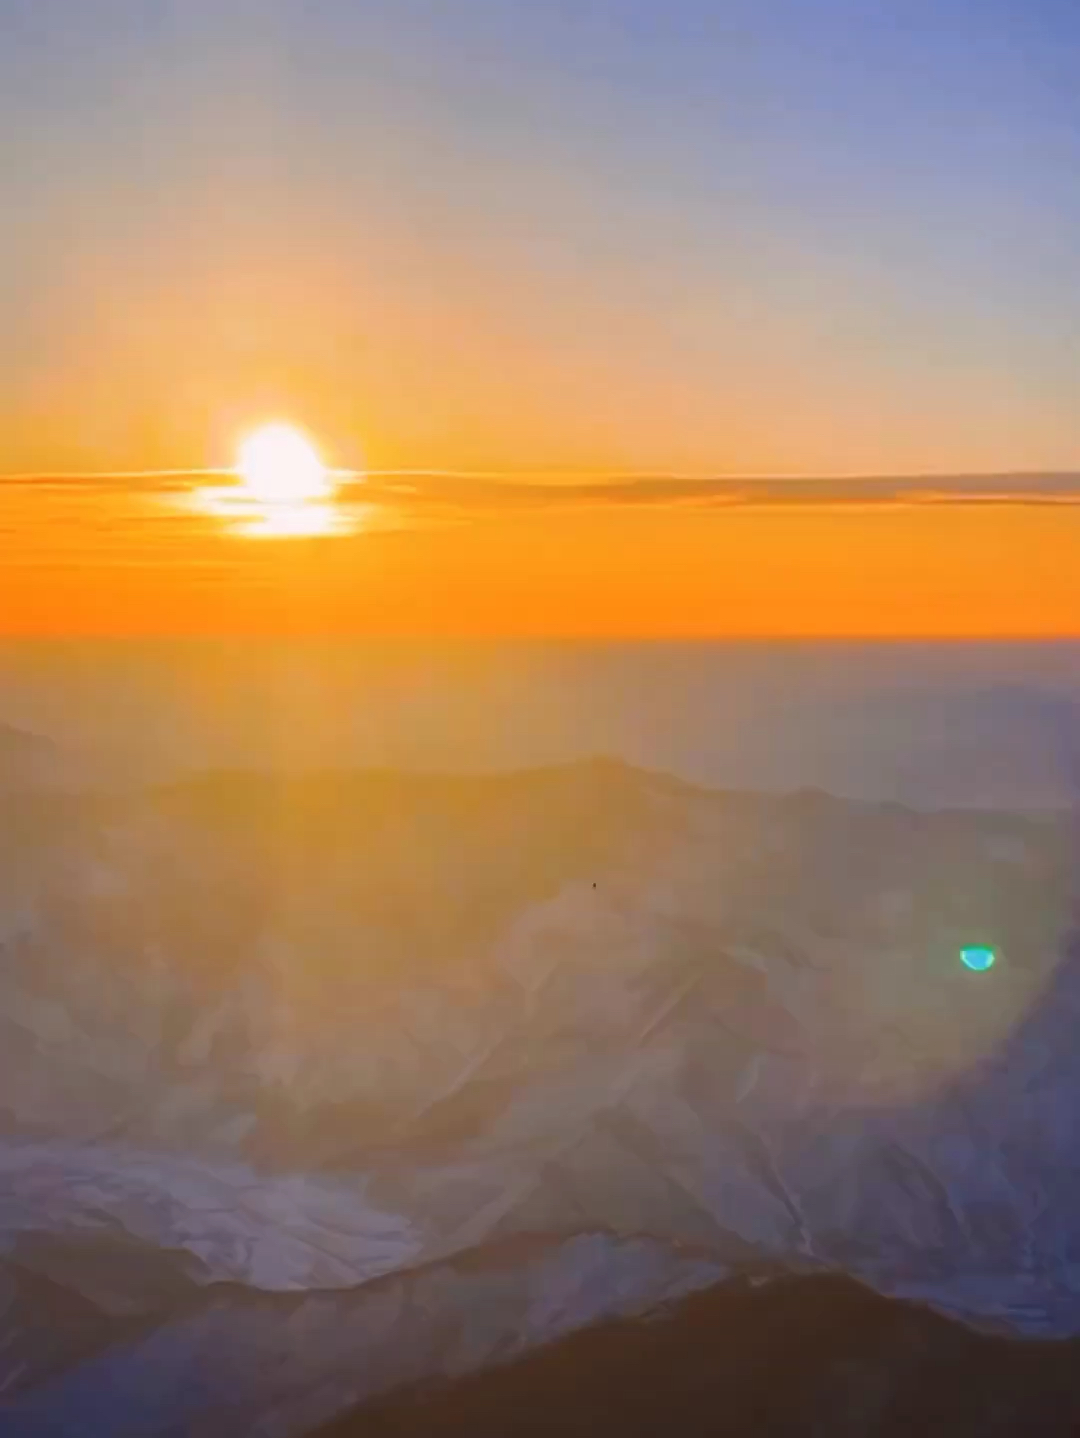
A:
[(299, 1037), (229, 1360), (796, 1357), (46, 1328)]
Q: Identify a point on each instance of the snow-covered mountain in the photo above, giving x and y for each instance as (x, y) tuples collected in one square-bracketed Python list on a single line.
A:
[(323, 1035)]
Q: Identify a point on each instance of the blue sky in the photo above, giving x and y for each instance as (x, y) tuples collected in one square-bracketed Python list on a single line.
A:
[(816, 235)]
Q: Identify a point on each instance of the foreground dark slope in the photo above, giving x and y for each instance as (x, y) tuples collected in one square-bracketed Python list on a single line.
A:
[(798, 1356)]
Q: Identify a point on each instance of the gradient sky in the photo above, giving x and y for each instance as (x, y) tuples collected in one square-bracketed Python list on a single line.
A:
[(750, 237)]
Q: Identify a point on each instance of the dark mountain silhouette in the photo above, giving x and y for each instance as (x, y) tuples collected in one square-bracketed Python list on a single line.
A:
[(796, 1356)]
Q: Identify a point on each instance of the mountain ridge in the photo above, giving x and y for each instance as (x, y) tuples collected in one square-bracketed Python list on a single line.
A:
[(347, 1031)]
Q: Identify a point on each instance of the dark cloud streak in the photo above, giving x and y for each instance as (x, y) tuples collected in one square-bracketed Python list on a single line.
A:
[(464, 495), (426, 497)]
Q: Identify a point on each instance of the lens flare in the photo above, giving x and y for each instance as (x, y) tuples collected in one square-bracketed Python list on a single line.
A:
[(978, 958)]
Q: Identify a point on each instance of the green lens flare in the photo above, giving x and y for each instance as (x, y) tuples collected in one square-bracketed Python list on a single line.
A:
[(978, 958)]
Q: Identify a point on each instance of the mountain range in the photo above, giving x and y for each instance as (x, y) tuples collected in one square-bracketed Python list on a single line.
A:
[(318, 1085)]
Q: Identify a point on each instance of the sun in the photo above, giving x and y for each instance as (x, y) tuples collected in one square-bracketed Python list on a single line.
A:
[(283, 490), (279, 465)]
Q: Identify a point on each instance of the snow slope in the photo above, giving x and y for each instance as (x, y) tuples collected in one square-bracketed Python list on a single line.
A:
[(301, 1036)]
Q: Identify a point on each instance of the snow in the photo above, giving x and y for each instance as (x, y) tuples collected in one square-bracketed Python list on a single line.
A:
[(297, 1060)]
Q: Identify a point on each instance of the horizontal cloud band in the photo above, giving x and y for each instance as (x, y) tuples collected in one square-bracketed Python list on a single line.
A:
[(430, 494)]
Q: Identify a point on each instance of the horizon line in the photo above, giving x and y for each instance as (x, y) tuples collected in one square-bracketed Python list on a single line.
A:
[(551, 472)]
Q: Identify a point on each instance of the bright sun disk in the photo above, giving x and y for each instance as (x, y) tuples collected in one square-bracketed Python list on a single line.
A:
[(278, 465)]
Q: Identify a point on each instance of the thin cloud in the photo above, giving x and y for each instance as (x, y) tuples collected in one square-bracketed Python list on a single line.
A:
[(135, 481), (463, 494), (401, 498)]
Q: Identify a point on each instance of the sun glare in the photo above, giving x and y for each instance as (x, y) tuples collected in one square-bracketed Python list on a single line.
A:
[(278, 465), (281, 489)]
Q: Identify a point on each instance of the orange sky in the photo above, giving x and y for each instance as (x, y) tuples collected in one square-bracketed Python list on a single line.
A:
[(83, 560), (516, 237)]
